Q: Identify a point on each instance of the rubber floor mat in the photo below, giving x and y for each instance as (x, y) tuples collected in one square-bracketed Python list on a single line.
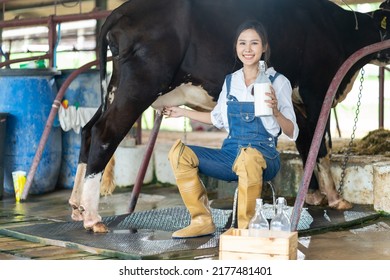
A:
[(147, 234)]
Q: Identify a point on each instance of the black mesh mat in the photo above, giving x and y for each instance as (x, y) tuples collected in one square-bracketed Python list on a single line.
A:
[(147, 234)]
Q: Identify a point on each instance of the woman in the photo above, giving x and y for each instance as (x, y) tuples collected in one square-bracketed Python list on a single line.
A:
[(249, 152)]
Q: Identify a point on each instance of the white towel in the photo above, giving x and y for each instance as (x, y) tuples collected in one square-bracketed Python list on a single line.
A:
[(72, 118)]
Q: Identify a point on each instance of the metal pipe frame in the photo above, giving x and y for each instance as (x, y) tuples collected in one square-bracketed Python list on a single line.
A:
[(54, 18), (51, 22), (381, 111)]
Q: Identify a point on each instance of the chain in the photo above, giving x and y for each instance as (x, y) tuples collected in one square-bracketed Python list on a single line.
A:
[(348, 151)]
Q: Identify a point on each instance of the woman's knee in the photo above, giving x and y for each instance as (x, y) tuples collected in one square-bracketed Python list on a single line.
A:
[(180, 154), (249, 158)]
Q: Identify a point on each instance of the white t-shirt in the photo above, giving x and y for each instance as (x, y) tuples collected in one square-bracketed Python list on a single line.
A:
[(238, 89)]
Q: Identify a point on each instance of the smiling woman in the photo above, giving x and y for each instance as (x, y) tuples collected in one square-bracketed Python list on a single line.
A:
[(248, 155)]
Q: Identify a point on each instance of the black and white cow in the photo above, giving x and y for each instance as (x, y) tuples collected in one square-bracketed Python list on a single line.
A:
[(175, 52)]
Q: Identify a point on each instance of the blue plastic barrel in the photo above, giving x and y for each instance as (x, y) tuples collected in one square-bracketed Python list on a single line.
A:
[(27, 96), (83, 92), (3, 123)]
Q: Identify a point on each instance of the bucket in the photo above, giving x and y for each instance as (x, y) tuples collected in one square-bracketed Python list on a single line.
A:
[(83, 92), (3, 123), (27, 95)]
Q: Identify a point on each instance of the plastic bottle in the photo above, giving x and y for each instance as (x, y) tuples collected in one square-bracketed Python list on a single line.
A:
[(259, 221), (281, 221), (261, 86), (33, 64)]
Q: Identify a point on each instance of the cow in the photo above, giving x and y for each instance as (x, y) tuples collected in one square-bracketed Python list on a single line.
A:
[(178, 52)]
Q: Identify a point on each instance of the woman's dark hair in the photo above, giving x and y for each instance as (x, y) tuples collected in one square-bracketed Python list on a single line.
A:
[(259, 28)]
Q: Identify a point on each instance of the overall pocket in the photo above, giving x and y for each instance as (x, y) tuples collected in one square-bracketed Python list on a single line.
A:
[(244, 126), (268, 149)]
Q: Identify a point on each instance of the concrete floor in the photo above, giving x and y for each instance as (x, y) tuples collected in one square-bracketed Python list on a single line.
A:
[(368, 241)]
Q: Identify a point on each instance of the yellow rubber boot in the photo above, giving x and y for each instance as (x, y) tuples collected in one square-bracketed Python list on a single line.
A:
[(184, 164), (249, 167)]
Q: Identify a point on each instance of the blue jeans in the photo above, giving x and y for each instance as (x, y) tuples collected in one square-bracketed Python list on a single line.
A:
[(218, 163)]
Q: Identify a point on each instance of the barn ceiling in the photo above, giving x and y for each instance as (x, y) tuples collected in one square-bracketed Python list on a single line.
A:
[(40, 8), (76, 36)]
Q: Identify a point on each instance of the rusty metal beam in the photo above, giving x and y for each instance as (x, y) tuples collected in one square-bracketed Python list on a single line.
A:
[(51, 22), (145, 162), (54, 18), (15, 5), (8, 62)]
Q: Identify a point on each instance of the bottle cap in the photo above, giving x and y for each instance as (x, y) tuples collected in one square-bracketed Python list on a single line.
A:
[(262, 65), (40, 64)]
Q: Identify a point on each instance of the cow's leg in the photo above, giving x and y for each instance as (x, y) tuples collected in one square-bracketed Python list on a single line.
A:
[(106, 135), (326, 183), (89, 203), (74, 200), (322, 188)]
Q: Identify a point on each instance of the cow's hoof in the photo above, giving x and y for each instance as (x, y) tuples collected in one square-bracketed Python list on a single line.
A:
[(99, 227), (316, 198), (340, 204)]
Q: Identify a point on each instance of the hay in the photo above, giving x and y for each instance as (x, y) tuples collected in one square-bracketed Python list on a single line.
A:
[(376, 142)]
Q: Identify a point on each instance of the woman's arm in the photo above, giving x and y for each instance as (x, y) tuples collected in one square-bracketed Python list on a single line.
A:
[(176, 112), (286, 125)]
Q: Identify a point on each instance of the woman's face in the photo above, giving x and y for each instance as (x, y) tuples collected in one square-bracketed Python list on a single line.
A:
[(249, 47)]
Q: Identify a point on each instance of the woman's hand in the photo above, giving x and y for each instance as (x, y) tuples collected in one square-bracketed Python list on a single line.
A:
[(273, 102), (173, 112), (176, 112)]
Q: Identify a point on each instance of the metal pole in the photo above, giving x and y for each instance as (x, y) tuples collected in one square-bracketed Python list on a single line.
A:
[(322, 120), (100, 5), (52, 39), (381, 96), (145, 163)]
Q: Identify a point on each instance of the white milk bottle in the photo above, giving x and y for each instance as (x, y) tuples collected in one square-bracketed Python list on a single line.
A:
[(261, 86)]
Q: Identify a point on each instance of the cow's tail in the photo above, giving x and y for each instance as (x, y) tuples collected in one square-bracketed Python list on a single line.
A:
[(103, 45), (107, 185)]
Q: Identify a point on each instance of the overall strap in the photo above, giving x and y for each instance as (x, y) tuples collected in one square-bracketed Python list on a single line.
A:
[(273, 78), (228, 86)]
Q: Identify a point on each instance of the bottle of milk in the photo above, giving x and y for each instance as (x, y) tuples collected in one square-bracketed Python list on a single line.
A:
[(261, 86)]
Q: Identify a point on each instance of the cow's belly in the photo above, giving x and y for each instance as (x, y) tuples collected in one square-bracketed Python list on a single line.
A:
[(187, 94)]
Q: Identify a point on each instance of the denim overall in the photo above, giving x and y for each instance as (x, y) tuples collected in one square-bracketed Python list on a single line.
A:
[(245, 130)]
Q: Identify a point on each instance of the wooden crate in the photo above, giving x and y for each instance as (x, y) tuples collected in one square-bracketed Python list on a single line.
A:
[(236, 244)]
